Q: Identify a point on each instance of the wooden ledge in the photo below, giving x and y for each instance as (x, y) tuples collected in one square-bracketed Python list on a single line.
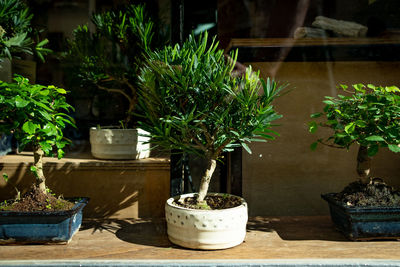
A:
[(84, 161), (290, 42)]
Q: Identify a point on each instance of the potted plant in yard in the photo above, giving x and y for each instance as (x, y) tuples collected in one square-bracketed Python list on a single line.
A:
[(109, 59), (35, 114), (367, 116), (192, 103)]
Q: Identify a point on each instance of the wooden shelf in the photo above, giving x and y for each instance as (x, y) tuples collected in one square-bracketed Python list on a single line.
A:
[(290, 42), (317, 49)]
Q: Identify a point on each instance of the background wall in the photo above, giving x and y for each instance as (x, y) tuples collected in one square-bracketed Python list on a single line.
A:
[(284, 177)]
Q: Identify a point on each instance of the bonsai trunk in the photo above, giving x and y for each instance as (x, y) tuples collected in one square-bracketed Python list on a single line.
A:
[(38, 164), (205, 180), (363, 164)]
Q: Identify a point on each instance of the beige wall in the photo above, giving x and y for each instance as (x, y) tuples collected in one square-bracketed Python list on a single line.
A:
[(284, 177), (117, 189)]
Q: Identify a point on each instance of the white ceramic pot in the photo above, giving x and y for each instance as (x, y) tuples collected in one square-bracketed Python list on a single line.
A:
[(206, 229), (108, 143)]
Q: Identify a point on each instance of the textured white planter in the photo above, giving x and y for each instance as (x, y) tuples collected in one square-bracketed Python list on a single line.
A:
[(206, 229), (108, 143)]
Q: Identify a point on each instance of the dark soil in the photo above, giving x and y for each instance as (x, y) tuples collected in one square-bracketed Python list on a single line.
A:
[(35, 200), (213, 202), (376, 194)]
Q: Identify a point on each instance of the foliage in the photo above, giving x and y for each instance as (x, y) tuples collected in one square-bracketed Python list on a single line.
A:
[(35, 114), (368, 116), (16, 31), (192, 102), (110, 58)]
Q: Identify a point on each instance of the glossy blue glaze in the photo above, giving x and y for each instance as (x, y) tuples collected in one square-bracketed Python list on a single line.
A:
[(41, 226), (364, 223)]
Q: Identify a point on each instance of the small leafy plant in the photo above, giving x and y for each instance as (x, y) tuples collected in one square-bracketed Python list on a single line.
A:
[(191, 102), (35, 115), (367, 115)]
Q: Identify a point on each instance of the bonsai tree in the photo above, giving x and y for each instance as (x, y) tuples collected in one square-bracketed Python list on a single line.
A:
[(16, 31), (36, 115), (110, 58), (367, 116), (191, 102)]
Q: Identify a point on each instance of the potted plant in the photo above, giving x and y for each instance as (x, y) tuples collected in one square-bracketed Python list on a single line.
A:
[(16, 41), (35, 114), (367, 116), (109, 59), (192, 103)]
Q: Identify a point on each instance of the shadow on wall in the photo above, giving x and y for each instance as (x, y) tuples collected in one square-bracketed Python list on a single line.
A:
[(116, 190)]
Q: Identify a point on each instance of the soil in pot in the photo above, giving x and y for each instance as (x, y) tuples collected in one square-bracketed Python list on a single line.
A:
[(214, 202), (373, 194), (36, 200)]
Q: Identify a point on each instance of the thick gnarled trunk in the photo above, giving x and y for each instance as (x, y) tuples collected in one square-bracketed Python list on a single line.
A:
[(205, 180), (38, 164), (363, 164)]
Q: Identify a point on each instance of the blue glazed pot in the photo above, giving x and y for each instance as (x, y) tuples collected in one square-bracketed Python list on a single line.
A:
[(364, 223), (41, 226)]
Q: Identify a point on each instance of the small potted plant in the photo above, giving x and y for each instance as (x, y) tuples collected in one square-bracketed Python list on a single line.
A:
[(367, 116), (109, 60), (193, 103), (36, 115)]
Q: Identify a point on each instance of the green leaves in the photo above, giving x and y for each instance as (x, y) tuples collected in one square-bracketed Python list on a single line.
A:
[(5, 177), (16, 33), (349, 128), (394, 148), (192, 101), (376, 138), (33, 113), (312, 127), (369, 117), (20, 102), (112, 55), (29, 127)]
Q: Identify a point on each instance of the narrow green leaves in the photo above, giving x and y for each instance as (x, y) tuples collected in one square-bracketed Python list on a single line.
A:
[(194, 102)]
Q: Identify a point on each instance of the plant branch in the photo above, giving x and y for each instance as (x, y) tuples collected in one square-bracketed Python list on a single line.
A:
[(113, 90), (330, 145)]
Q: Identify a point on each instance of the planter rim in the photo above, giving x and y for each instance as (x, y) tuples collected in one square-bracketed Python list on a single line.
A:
[(80, 201), (170, 203), (116, 128), (329, 197)]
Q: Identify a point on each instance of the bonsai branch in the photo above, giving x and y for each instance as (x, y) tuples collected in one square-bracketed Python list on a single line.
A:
[(330, 145), (363, 164), (205, 180), (113, 90), (38, 164)]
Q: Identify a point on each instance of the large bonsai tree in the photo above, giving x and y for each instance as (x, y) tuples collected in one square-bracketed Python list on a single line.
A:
[(16, 32), (368, 116), (36, 115), (110, 57), (191, 102)]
